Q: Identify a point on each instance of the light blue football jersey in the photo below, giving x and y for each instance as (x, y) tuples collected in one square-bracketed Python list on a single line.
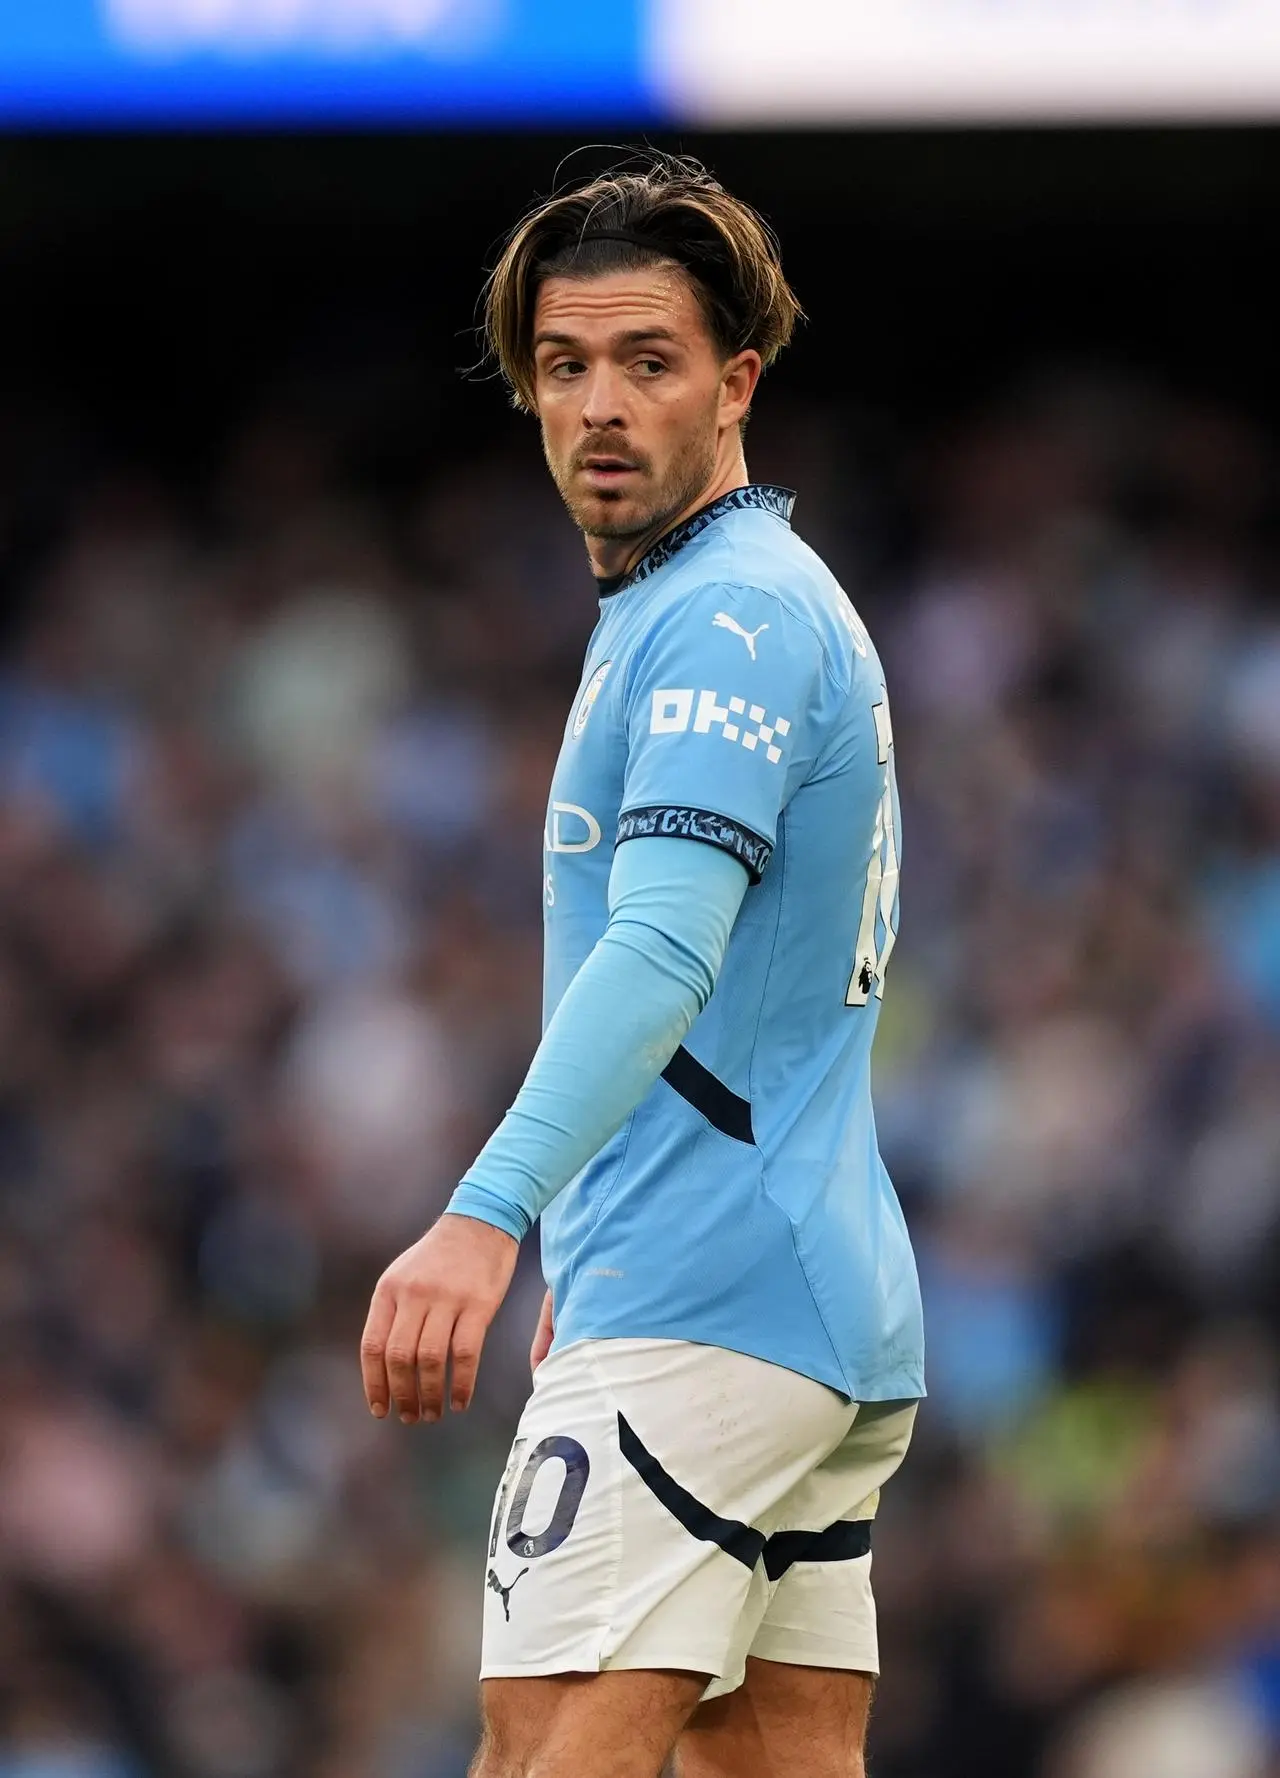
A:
[(731, 695)]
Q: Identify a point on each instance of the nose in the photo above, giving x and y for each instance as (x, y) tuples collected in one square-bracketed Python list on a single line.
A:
[(604, 398)]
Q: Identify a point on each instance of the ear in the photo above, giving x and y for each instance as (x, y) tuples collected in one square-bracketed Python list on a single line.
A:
[(738, 382)]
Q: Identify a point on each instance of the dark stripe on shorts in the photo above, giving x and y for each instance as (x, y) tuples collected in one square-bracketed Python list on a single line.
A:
[(700, 1088), (844, 1541), (734, 1538)]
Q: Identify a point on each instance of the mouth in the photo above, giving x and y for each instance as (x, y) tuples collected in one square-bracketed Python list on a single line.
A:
[(608, 472)]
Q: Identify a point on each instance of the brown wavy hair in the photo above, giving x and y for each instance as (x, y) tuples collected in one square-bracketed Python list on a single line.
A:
[(668, 209)]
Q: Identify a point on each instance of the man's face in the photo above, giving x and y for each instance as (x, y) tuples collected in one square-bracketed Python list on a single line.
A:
[(631, 396)]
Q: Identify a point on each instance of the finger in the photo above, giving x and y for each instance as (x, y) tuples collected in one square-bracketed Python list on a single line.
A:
[(465, 1348), (543, 1337), (433, 1351), (373, 1347), (402, 1356)]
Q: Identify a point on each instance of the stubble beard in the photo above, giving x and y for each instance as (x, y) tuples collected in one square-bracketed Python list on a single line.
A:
[(689, 473)]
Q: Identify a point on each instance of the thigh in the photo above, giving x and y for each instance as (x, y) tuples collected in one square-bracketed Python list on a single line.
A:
[(821, 1611), (600, 1725), (629, 1529), (781, 1721)]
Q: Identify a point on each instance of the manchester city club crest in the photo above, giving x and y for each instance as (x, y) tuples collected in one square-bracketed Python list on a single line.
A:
[(589, 697)]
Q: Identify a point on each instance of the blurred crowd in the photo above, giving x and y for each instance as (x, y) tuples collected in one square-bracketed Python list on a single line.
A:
[(274, 751)]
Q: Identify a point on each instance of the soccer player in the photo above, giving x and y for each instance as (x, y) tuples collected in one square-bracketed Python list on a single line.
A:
[(729, 1357)]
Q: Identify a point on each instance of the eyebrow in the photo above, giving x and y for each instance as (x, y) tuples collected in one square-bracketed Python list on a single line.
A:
[(635, 336)]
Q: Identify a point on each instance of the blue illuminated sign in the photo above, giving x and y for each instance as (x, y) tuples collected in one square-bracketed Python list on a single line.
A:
[(428, 62)]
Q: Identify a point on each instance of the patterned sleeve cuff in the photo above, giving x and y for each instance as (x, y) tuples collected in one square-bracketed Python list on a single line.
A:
[(666, 821)]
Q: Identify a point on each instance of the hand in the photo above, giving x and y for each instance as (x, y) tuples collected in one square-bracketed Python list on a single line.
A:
[(544, 1336), (432, 1305)]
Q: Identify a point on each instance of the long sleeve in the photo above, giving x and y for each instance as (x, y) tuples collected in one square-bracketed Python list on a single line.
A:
[(672, 905)]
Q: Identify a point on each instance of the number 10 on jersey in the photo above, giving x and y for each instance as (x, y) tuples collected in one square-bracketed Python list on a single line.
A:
[(880, 893)]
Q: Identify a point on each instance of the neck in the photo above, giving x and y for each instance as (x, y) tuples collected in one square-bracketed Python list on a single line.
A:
[(612, 556)]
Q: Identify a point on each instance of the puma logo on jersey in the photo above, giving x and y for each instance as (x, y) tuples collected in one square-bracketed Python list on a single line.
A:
[(722, 621)]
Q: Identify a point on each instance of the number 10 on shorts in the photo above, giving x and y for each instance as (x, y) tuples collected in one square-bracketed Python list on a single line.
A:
[(573, 1481)]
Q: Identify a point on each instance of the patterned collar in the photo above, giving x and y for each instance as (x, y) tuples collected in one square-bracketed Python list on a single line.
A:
[(763, 496)]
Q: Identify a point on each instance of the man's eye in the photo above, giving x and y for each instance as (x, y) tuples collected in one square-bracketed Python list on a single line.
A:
[(650, 367), (568, 367)]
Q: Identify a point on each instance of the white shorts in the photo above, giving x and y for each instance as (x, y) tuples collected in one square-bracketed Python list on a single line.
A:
[(670, 1505)]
